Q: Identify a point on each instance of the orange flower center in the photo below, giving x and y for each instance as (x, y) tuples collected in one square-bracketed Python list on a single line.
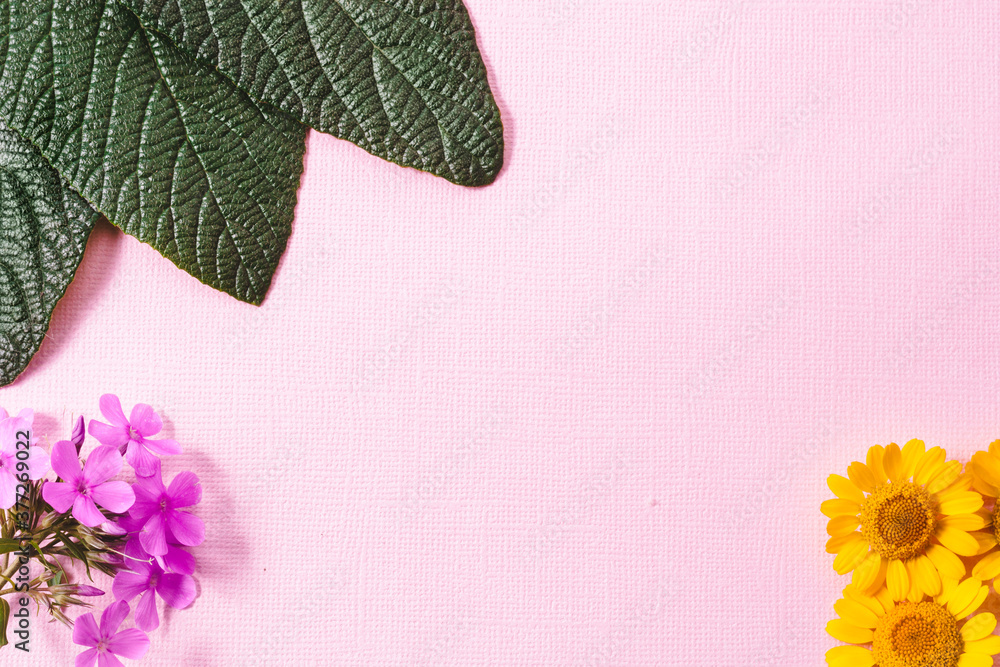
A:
[(922, 634), (898, 520)]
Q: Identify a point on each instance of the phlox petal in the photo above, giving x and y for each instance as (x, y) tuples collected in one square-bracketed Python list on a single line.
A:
[(85, 631), (38, 463), (88, 658), (65, 461), (112, 436), (86, 512), (177, 590), (129, 584), (146, 618), (187, 528), (8, 489), (184, 490), (145, 421), (164, 447), (59, 494), (111, 408), (152, 538), (114, 496), (130, 643)]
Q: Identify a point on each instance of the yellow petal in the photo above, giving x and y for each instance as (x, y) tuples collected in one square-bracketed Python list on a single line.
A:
[(851, 555), (958, 541), (981, 485), (987, 466), (852, 593), (850, 656), (844, 488), (928, 465), (974, 660), (979, 627), (927, 578), (963, 502), (948, 587), (848, 632), (835, 545), (870, 573), (948, 473), (892, 463), (967, 522), (912, 452), (962, 483), (986, 541), (885, 599), (842, 525), (987, 646), (839, 507), (897, 579), (874, 462), (948, 564), (915, 594), (855, 613), (994, 448), (966, 598), (988, 567), (862, 477)]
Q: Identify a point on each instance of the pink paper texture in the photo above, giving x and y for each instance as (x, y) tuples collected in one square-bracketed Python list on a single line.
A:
[(583, 416)]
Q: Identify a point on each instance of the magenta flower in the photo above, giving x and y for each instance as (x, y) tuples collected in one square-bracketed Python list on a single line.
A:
[(84, 489), (132, 436), (157, 511), (106, 641), (37, 461), (147, 580), (176, 559)]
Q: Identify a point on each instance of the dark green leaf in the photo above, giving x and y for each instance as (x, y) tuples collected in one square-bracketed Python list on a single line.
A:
[(43, 230), (165, 147), (4, 619), (9, 545), (403, 79)]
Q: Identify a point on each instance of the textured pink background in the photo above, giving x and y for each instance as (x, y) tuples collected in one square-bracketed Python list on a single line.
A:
[(583, 416)]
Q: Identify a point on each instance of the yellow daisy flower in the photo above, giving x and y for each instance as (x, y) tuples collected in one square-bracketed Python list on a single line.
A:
[(985, 469), (903, 518), (921, 633)]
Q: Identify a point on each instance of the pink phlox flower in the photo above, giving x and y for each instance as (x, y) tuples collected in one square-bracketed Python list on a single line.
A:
[(105, 641), (11, 432), (132, 436), (176, 559), (84, 489), (147, 580), (157, 510)]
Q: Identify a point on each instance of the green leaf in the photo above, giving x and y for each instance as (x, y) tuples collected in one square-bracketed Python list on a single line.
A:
[(9, 545), (403, 79), (4, 619), (166, 147), (43, 232)]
